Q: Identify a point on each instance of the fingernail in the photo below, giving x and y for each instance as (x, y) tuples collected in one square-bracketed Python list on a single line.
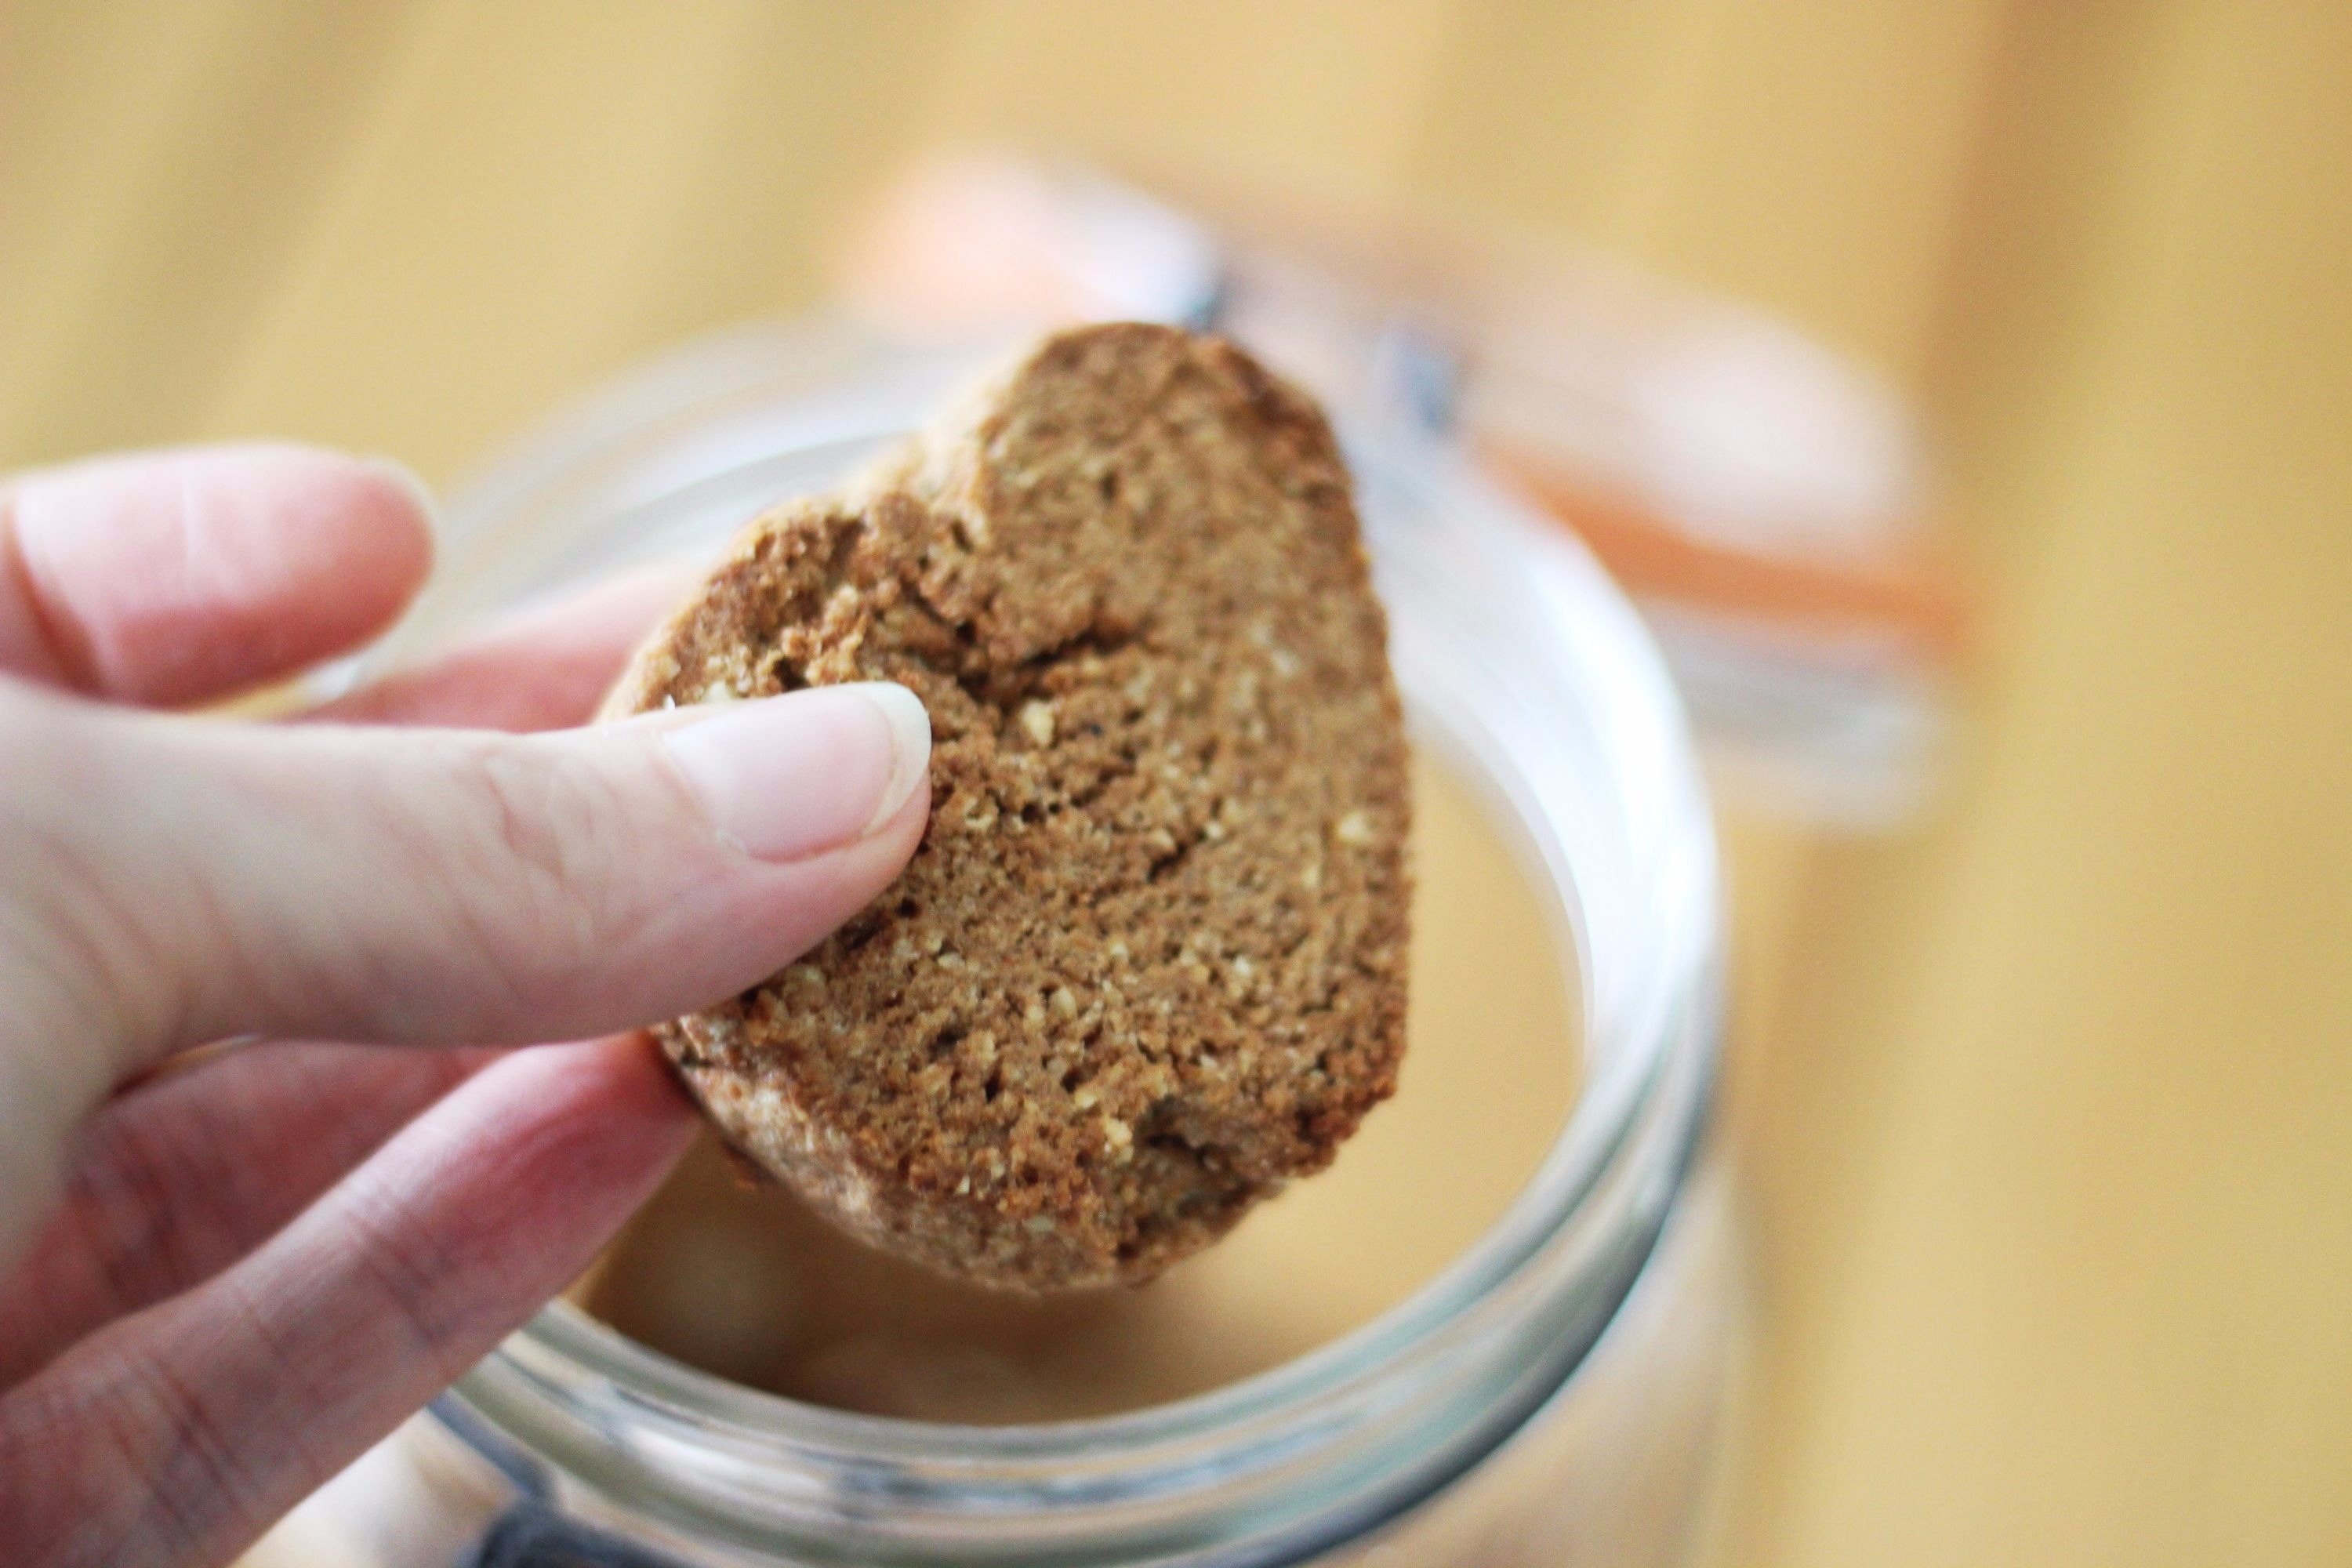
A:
[(787, 777)]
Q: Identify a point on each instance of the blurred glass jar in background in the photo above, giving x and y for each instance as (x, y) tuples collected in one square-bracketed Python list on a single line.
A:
[(1761, 500), (1551, 1396)]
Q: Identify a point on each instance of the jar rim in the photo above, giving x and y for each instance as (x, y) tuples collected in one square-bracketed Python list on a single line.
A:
[(567, 1392)]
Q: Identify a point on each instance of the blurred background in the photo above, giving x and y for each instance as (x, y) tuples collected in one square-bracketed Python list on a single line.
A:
[(2042, 1076)]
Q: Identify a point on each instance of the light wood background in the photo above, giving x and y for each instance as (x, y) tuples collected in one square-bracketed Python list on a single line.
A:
[(2045, 1111)]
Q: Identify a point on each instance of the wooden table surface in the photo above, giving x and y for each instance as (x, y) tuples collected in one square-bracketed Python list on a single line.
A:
[(2045, 1110)]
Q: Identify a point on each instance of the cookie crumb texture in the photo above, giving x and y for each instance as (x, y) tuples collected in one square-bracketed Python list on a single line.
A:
[(1149, 960)]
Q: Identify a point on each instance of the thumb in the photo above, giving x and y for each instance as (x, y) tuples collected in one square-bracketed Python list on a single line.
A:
[(432, 885)]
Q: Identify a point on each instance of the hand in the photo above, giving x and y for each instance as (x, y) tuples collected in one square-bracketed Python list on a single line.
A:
[(220, 1283)]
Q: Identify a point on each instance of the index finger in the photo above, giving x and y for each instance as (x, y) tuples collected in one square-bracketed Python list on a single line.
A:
[(172, 577)]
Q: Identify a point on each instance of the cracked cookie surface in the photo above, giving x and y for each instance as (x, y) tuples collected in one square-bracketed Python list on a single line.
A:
[(1149, 963)]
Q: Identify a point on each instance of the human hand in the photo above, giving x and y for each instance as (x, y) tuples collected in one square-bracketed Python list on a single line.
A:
[(220, 1283)]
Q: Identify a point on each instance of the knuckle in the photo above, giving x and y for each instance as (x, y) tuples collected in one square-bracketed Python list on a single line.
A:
[(123, 1461), (201, 1483), (560, 834), (407, 1274), (541, 814)]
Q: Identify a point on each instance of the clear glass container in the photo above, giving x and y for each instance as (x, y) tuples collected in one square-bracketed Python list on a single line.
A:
[(1552, 1397), (1765, 503)]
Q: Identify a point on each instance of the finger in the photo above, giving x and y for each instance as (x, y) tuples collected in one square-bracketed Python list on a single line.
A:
[(438, 886), (180, 1434), (540, 669), (175, 578), (172, 1184)]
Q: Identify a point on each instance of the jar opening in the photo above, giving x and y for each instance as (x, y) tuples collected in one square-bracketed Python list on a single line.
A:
[(1527, 672)]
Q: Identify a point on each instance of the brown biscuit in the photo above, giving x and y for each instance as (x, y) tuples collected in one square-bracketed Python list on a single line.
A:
[(1149, 960)]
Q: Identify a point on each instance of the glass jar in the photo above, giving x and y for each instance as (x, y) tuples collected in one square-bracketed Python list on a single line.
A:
[(1765, 503), (1550, 1398)]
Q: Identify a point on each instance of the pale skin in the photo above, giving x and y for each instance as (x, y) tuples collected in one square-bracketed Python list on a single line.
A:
[(220, 1280)]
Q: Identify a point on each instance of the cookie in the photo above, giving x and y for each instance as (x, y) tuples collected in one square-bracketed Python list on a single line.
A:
[(1149, 963)]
